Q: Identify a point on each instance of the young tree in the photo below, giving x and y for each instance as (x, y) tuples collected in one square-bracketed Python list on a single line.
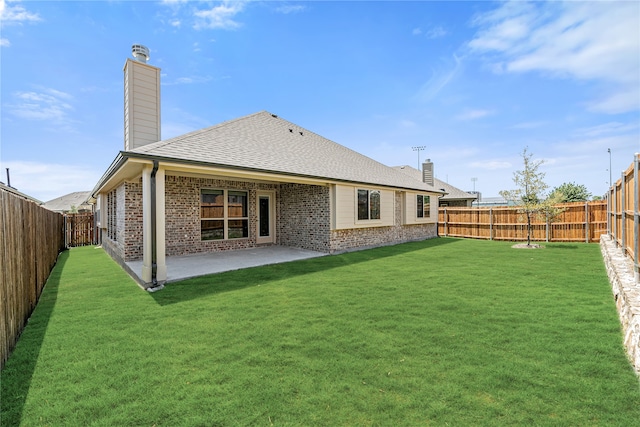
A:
[(529, 194), (572, 192)]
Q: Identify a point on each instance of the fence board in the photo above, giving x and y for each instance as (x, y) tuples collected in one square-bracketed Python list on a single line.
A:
[(30, 239), (580, 222)]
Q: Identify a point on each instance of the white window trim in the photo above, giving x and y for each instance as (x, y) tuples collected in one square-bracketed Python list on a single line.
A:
[(367, 221)]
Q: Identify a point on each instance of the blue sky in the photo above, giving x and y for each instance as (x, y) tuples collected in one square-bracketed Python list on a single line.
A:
[(473, 82)]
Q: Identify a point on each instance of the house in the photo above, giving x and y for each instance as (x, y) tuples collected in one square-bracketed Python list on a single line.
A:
[(77, 201), (453, 196), (256, 180), (12, 190)]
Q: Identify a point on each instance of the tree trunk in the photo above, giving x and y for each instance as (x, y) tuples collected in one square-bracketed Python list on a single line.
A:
[(528, 229)]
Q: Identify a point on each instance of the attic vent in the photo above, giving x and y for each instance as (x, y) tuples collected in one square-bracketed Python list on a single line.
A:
[(291, 130), (274, 116)]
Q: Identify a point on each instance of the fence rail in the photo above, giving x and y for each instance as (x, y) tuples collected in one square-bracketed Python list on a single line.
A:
[(579, 222), (30, 239)]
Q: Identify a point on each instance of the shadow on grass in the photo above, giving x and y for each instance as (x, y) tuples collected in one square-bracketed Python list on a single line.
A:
[(18, 370), (562, 246), (211, 284)]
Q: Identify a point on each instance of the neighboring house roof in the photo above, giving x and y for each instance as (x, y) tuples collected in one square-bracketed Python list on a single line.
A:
[(453, 193), (12, 190), (64, 203), (266, 143)]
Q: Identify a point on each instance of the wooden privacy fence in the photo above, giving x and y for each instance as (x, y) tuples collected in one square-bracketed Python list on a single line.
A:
[(580, 222), (623, 218), (80, 230), (30, 239)]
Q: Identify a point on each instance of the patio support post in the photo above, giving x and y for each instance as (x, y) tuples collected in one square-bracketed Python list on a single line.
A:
[(154, 267), (161, 262), (147, 249)]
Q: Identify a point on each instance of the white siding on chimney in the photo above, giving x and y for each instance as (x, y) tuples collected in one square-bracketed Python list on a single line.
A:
[(141, 104)]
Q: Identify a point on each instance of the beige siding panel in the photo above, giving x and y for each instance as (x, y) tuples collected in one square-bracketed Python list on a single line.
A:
[(411, 216), (146, 95), (346, 208), (145, 71), (142, 104)]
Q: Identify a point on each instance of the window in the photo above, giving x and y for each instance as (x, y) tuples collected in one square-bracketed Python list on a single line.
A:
[(424, 206), (112, 220), (224, 214), (368, 204)]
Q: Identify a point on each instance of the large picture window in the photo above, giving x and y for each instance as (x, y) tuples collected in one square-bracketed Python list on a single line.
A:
[(224, 214), (424, 206), (368, 204)]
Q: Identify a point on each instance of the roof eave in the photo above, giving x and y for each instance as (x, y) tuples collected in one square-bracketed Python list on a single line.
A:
[(143, 156)]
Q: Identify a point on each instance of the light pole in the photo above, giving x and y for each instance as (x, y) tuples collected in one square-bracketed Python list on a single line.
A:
[(474, 179), (419, 149), (609, 151)]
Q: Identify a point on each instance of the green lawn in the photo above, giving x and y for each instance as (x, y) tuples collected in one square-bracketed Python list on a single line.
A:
[(442, 332)]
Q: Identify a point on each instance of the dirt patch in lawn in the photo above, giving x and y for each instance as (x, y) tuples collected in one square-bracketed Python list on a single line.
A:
[(525, 246)]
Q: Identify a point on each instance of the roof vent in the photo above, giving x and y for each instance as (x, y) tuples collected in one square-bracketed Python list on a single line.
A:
[(140, 52)]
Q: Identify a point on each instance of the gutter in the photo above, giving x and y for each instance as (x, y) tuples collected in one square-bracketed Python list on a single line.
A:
[(154, 241)]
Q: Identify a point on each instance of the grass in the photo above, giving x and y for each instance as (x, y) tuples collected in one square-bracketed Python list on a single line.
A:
[(441, 332)]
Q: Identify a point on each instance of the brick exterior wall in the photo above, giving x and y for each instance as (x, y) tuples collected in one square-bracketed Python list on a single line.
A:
[(182, 210), (305, 217), (303, 220), (127, 208), (132, 239)]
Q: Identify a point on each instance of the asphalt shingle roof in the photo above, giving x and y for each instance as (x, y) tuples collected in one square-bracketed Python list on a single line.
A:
[(265, 142), (453, 193), (64, 203)]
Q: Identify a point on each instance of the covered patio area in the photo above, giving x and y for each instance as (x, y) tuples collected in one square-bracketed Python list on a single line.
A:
[(184, 267)]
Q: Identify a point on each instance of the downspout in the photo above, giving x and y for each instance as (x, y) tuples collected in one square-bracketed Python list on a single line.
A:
[(154, 249)]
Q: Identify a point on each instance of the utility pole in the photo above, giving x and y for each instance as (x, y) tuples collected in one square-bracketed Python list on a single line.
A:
[(610, 182)]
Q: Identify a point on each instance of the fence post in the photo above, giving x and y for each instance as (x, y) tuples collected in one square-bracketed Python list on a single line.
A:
[(446, 228), (490, 223), (586, 222), (623, 216), (636, 219), (546, 228), (614, 215)]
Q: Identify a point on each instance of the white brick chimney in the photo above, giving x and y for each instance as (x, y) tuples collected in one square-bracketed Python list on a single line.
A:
[(141, 100)]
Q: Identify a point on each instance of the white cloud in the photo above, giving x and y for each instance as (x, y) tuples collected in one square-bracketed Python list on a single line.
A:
[(416, 31), (439, 80), (529, 125), (583, 40), (220, 16), (436, 32), (189, 80), (474, 114), (49, 105), (46, 181), (491, 165), (12, 13), (286, 9), (5, 42)]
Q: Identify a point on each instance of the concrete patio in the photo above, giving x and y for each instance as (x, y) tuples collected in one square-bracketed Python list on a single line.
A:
[(184, 267)]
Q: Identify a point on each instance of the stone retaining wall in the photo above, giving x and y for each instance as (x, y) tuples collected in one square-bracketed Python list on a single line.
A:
[(626, 293)]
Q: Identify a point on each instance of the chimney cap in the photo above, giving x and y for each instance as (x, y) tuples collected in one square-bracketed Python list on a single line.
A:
[(140, 52)]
